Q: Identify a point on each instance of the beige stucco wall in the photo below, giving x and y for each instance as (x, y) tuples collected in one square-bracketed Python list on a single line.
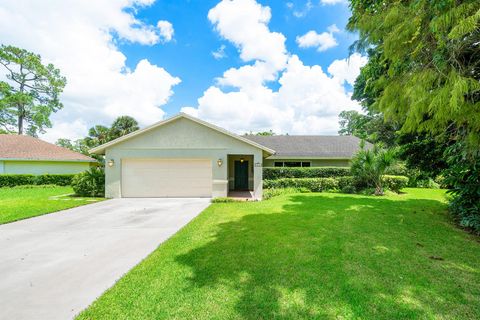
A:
[(314, 162), (43, 167), (183, 139)]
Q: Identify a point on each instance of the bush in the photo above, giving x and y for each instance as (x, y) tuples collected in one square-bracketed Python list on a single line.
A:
[(370, 165), (463, 175), (310, 172), (349, 184), (12, 180), (270, 193), (90, 183), (57, 179), (311, 184), (394, 183)]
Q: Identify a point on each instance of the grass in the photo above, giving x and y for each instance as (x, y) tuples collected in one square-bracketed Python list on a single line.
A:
[(308, 256), (25, 202)]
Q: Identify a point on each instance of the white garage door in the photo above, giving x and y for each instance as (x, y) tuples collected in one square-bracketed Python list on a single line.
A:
[(143, 178)]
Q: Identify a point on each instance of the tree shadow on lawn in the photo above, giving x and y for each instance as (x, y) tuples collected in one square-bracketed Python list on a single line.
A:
[(340, 256)]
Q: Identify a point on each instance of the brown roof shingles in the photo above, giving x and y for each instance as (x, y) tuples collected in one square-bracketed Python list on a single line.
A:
[(20, 147)]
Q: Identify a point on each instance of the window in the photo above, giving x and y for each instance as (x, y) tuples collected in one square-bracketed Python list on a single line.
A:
[(292, 164)]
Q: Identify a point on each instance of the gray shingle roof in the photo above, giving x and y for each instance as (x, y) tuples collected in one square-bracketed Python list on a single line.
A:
[(310, 146)]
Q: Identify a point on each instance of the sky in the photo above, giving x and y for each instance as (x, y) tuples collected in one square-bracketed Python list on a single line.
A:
[(244, 65)]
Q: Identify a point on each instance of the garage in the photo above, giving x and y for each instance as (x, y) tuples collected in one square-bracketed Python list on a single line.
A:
[(179, 157), (151, 178)]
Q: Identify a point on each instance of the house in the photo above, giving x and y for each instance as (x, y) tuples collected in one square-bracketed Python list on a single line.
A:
[(186, 157), (308, 151), (21, 154)]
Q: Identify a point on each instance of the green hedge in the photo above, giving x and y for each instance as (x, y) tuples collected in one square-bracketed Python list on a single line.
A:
[(346, 184), (12, 180), (310, 172), (395, 183), (311, 184)]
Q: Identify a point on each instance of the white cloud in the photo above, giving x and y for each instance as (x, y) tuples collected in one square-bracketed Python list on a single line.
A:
[(322, 41), (332, 2), (220, 53), (244, 23), (166, 30), (308, 100), (304, 11), (78, 37), (347, 70)]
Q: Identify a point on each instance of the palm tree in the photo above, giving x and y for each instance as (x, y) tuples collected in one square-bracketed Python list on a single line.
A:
[(370, 165), (121, 126), (97, 135)]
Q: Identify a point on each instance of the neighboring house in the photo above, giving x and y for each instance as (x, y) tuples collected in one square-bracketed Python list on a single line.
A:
[(186, 157), (21, 154)]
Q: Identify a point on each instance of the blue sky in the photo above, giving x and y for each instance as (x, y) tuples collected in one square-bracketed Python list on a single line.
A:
[(280, 65), (190, 57)]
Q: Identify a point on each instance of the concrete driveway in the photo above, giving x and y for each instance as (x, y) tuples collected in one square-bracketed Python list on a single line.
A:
[(54, 266)]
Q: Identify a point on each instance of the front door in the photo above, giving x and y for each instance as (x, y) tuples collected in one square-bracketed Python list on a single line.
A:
[(241, 175)]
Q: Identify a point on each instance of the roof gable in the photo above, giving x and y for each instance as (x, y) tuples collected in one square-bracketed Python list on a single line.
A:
[(101, 149), (20, 147)]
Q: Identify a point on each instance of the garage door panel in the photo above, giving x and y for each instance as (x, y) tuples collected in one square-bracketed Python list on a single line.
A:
[(166, 178)]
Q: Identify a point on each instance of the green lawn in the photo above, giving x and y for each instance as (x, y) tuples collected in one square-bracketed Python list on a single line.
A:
[(307, 256), (25, 202)]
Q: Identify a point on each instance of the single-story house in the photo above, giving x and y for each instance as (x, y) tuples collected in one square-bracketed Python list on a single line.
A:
[(186, 157), (308, 151), (20, 154)]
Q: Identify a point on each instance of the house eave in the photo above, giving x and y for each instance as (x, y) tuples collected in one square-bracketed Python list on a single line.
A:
[(101, 149)]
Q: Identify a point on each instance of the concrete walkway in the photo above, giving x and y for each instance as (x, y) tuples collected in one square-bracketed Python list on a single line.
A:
[(54, 266)]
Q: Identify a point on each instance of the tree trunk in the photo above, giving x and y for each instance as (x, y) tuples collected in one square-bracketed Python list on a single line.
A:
[(378, 188), (20, 120), (20, 107)]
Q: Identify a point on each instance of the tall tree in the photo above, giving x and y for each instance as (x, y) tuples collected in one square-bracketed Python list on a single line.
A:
[(426, 55), (31, 92)]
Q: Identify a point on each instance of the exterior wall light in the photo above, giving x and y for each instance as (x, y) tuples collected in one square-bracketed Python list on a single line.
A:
[(219, 162), (111, 162), (241, 160)]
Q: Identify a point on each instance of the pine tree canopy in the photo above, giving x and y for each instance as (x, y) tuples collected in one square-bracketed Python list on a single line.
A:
[(424, 67)]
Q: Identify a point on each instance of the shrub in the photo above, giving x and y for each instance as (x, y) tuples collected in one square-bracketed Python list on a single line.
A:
[(395, 183), (310, 172), (311, 184), (12, 180), (399, 169), (349, 184), (270, 193), (463, 175), (370, 165), (90, 183), (57, 179), (427, 183)]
